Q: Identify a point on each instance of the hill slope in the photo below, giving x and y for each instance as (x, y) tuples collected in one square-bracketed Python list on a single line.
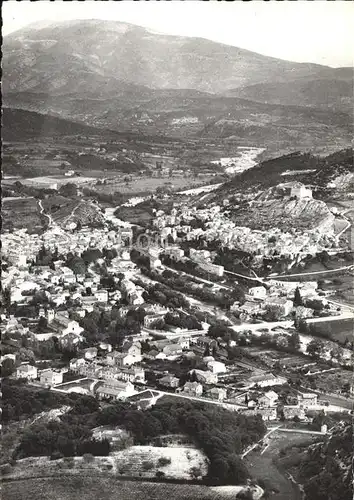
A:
[(19, 124), (334, 93), (306, 168)]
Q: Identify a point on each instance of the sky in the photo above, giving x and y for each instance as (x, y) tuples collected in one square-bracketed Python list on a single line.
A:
[(303, 31)]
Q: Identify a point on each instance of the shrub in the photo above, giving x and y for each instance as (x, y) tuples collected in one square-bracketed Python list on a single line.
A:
[(160, 474), (6, 469), (195, 472), (162, 461), (56, 455), (147, 465)]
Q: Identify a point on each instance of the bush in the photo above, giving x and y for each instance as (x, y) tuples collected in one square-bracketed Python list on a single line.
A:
[(88, 457), (56, 455), (195, 472), (159, 474), (5, 469), (162, 461), (147, 465)]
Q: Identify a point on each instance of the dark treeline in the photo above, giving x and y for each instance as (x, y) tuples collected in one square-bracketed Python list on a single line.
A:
[(221, 434)]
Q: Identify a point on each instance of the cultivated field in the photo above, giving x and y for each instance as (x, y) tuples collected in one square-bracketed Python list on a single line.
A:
[(21, 213), (150, 184), (337, 330), (86, 487)]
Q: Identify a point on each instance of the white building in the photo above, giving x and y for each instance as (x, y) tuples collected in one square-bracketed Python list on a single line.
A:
[(51, 377), (27, 371), (258, 292), (301, 192), (216, 367)]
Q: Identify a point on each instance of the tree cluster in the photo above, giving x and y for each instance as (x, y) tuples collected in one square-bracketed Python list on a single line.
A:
[(222, 435)]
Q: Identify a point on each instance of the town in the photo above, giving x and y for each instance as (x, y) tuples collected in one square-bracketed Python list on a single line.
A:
[(140, 312)]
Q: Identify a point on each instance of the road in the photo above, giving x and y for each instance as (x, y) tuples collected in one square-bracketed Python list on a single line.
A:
[(314, 273), (228, 406), (225, 287), (50, 220), (273, 429), (266, 325)]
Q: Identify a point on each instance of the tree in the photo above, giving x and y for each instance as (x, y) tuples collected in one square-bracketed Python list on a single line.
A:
[(6, 297), (77, 265), (68, 190), (294, 341), (315, 348), (7, 367), (297, 298), (42, 324)]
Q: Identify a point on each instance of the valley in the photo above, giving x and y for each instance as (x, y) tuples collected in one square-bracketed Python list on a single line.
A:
[(177, 263)]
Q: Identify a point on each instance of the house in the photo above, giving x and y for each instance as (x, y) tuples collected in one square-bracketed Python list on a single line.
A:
[(88, 303), (301, 192), (133, 349), (101, 296), (172, 350), (76, 363), (105, 347), (205, 377), (249, 308), (279, 306), (114, 389), (268, 399), (121, 359), (218, 393), (267, 414), (184, 342), (169, 381), (67, 276), (306, 400), (27, 371), (41, 337), (151, 319), (51, 377), (258, 292), (90, 353), (72, 327), (193, 389), (291, 411), (205, 342), (264, 380), (135, 374), (302, 312), (216, 367)]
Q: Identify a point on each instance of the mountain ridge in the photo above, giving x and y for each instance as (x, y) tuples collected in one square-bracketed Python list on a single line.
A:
[(142, 57)]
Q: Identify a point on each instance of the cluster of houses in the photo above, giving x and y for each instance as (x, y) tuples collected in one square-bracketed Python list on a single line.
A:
[(214, 224)]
